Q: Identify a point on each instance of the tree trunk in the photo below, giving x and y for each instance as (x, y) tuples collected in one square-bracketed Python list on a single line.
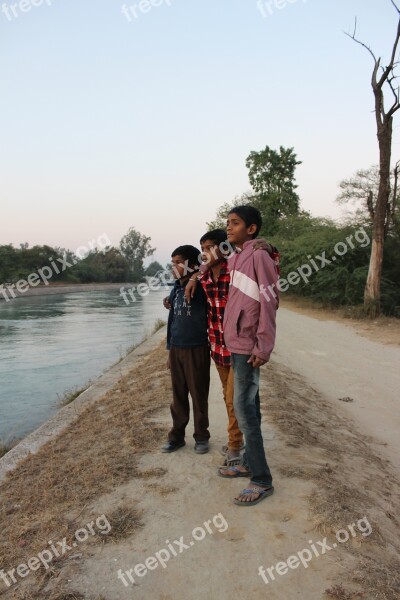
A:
[(372, 292)]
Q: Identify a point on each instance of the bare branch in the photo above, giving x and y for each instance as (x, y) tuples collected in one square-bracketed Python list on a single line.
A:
[(390, 66), (396, 93), (394, 4), (353, 37), (394, 108)]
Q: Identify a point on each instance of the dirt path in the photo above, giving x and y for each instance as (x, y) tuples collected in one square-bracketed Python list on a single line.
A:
[(330, 474), (342, 364)]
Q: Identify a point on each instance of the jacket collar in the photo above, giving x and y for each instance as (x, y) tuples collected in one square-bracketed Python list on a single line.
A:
[(246, 245)]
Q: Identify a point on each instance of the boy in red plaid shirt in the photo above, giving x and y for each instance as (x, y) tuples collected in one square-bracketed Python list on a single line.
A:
[(215, 282)]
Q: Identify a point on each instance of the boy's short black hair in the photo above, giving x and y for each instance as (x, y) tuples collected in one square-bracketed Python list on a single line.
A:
[(250, 215), (218, 236), (189, 253)]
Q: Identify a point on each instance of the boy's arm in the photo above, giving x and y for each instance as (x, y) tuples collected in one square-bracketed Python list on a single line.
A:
[(267, 281), (192, 283), (170, 318)]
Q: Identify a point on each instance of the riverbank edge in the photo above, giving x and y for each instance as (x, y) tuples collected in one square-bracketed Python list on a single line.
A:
[(65, 289), (68, 414)]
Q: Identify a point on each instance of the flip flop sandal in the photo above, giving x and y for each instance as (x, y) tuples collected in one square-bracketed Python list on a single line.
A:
[(231, 462), (237, 472), (255, 490)]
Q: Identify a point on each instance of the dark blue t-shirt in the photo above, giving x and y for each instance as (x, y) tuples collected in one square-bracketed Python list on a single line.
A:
[(187, 323)]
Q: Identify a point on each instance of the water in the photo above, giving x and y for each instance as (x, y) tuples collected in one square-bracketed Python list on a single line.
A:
[(52, 344)]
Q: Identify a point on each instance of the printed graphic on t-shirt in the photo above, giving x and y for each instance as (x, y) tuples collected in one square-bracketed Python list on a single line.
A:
[(180, 305)]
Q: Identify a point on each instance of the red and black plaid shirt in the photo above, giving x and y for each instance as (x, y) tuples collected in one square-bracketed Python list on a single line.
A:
[(217, 297)]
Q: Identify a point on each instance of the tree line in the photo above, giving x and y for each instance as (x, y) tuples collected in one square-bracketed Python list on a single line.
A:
[(110, 265)]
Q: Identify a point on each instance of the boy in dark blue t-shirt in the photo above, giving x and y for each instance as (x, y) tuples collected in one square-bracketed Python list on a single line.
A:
[(189, 354)]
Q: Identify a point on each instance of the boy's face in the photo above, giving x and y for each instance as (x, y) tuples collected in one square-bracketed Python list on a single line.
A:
[(237, 230), (178, 266), (210, 253)]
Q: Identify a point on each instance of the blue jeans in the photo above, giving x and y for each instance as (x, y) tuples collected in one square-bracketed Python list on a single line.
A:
[(246, 403)]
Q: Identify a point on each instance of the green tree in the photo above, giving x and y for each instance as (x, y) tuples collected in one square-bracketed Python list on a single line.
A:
[(153, 268), (8, 263), (136, 247), (91, 269), (272, 176), (116, 266)]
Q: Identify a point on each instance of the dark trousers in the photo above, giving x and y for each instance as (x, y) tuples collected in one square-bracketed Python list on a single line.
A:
[(190, 373)]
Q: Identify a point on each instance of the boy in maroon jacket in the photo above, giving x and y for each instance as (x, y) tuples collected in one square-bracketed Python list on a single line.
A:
[(249, 333)]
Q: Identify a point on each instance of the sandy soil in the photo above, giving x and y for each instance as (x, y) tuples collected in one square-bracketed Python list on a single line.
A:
[(331, 469)]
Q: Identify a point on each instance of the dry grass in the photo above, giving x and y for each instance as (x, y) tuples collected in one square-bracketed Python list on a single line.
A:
[(338, 591), (7, 446), (124, 521), (70, 395), (381, 577), (159, 324), (47, 495)]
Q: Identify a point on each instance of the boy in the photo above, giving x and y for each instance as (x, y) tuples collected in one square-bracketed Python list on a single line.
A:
[(249, 332), (215, 282), (189, 355)]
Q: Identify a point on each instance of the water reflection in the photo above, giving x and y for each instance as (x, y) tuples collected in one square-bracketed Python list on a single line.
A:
[(49, 344)]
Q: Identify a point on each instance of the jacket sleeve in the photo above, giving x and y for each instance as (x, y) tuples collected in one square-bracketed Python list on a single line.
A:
[(266, 276), (170, 318)]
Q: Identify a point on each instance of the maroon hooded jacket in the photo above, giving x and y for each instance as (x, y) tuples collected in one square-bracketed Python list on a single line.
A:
[(250, 314)]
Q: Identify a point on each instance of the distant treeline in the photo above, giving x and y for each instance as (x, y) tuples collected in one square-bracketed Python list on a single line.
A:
[(105, 266)]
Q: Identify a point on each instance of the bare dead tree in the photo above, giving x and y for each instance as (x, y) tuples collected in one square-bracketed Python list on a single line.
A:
[(383, 78)]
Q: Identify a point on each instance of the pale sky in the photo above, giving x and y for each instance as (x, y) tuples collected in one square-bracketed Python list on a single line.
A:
[(109, 123)]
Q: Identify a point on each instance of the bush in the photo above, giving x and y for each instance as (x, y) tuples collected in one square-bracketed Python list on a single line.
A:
[(300, 239)]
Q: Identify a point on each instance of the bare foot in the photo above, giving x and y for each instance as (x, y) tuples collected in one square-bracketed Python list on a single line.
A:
[(232, 454)]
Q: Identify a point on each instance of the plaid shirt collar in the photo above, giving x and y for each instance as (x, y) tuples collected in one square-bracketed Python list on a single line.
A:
[(207, 276)]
